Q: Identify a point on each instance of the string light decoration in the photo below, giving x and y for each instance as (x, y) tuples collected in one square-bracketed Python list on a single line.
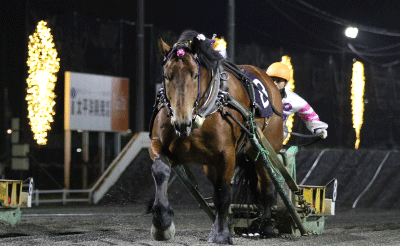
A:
[(43, 66), (290, 86), (357, 98)]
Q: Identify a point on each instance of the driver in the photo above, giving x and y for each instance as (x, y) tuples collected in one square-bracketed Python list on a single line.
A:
[(293, 103)]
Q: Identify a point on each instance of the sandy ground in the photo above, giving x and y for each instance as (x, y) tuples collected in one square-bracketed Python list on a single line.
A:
[(126, 225)]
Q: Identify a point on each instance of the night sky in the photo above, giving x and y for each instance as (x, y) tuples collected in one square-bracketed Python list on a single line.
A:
[(313, 25), (305, 24), (295, 21)]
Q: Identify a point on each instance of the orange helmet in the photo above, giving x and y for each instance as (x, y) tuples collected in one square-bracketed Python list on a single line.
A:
[(280, 70)]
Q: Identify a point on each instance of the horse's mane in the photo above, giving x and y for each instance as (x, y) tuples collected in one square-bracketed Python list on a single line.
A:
[(207, 56)]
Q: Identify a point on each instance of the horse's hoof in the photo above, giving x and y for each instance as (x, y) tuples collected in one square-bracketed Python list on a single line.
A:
[(220, 240), (268, 234), (163, 235)]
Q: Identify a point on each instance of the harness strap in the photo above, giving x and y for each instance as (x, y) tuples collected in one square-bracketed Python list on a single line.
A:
[(153, 116), (279, 188), (234, 69), (227, 99), (217, 83), (238, 72), (227, 113), (159, 100), (182, 175), (275, 161), (267, 146)]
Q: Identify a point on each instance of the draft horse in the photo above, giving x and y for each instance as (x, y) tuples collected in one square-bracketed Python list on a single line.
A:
[(189, 127)]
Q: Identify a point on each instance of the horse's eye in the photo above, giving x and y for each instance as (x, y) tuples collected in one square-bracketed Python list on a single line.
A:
[(167, 77), (196, 75)]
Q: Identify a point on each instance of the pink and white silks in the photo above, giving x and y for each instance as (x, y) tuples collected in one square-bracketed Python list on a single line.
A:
[(293, 103)]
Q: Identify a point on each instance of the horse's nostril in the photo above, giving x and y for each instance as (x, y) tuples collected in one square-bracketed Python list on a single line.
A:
[(183, 129), (177, 127)]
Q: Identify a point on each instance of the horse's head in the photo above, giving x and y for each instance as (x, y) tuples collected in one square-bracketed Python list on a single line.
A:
[(181, 80)]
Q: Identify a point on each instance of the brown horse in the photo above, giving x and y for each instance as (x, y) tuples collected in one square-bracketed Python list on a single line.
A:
[(178, 139)]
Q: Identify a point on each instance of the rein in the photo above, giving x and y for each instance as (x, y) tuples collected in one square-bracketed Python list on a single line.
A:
[(317, 138)]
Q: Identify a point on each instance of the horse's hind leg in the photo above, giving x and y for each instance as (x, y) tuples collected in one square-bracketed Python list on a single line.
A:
[(266, 191), (221, 178), (163, 227)]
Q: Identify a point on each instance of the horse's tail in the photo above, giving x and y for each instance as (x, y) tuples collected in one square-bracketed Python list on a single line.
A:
[(244, 182)]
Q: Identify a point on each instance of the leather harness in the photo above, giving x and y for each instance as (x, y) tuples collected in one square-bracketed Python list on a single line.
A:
[(218, 95)]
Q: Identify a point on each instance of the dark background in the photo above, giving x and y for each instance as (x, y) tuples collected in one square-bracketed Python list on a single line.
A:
[(100, 37)]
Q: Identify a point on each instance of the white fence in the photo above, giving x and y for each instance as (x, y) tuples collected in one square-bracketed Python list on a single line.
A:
[(64, 196), (108, 178)]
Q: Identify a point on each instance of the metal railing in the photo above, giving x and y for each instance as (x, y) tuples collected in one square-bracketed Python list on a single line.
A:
[(64, 196)]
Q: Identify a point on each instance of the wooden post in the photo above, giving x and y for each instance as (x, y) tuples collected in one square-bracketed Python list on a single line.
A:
[(85, 157), (102, 149), (67, 158), (117, 144)]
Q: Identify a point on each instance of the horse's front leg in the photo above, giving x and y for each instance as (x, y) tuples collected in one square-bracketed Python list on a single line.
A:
[(221, 176), (163, 227)]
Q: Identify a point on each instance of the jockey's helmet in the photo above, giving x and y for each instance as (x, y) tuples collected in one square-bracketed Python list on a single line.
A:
[(280, 70)]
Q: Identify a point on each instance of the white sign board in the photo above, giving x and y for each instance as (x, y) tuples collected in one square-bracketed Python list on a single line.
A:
[(96, 102)]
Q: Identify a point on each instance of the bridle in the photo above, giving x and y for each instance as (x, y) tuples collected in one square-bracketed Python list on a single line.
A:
[(180, 50)]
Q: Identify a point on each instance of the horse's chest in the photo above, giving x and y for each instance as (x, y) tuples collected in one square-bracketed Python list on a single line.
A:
[(180, 147), (188, 151)]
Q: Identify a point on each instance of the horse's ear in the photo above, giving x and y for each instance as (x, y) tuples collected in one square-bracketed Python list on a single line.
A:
[(163, 47), (194, 45)]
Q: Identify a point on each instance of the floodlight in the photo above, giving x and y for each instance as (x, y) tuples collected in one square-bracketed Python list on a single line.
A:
[(351, 32)]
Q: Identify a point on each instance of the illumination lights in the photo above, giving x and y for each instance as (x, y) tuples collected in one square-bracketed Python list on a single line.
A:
[(357, 98), (290, 86), (43, 66), (351, 32)]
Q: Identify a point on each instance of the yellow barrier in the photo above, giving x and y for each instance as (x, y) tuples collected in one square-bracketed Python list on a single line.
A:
[(315, 195), (12, 194)]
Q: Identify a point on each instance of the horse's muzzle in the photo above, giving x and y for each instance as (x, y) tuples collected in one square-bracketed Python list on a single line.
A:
[(183, 129)]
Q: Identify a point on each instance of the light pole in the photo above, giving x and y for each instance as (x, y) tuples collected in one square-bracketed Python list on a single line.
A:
[(140, 70), (231, 30)]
